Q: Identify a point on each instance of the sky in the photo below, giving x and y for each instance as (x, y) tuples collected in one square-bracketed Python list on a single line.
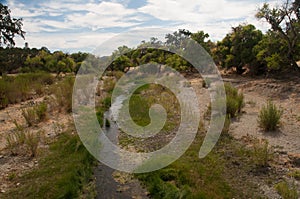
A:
[(77, 25)]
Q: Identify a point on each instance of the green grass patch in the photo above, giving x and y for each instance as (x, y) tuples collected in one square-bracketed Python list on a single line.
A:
[(22, 87), (285, 191), (189, 177), (62, 173)]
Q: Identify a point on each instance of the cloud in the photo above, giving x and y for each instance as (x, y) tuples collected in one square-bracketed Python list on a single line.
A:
[(84, 20), (215, 17)]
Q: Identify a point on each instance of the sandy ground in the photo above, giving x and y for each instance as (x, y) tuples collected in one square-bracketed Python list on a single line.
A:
[(286, 141)]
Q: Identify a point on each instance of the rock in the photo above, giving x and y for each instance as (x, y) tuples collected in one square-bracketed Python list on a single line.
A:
[(2, 191)]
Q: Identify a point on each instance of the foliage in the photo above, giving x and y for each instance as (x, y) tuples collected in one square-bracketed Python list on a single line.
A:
[(9, 27), (285, 22), (235, 50), (269, 117)]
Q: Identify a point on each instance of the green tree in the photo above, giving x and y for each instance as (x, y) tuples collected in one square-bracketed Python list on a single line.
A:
[(271, 51), (9, 27), (285, 21), (236, 49)]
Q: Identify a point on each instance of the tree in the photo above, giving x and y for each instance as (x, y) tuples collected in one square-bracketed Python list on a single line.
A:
[(236, 49), (9, 27), (285, 21), (271, 51)]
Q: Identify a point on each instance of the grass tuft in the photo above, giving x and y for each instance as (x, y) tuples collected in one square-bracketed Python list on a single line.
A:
[(269, 117)]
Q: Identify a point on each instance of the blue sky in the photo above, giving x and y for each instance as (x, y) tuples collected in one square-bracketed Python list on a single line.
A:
[(78, 25)]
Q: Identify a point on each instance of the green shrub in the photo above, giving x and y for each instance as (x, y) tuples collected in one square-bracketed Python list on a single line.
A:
[(286, 192), (41, 111), (234, 100), (269, 117), (261, 153)]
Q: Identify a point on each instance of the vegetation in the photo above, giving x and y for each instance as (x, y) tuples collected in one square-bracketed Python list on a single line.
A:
[(35, 114), (64, 172), (285, 191), (63, 94), (284, 21), (9, 27), (22, 87), (269, 117), (261, 153), (22, 142)]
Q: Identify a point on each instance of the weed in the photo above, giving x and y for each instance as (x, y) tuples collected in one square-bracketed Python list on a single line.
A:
[(41, 111), (30, 116), (32, 141), (63, 93), (234, 100), (261, 153), (286, 192), (35, 114), (269, 117), (295, 174), (22, 87)]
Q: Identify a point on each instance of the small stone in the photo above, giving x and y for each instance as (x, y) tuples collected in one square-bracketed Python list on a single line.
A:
[(18, 184), (2, 191)]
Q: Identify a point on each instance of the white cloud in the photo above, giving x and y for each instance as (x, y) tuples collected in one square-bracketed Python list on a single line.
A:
[(215, 17), (57, 24)]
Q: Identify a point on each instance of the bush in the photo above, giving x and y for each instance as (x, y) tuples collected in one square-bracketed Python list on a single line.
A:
[(41, 111), (269, 117), (234, 100), (261, 153)]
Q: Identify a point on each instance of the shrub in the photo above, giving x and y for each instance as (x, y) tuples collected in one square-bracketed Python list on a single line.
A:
[(41, 111), (234, 100), (261, 153), (269, 117)]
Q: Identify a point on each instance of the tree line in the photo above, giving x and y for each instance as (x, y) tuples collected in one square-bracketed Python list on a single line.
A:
[(244, 47)]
